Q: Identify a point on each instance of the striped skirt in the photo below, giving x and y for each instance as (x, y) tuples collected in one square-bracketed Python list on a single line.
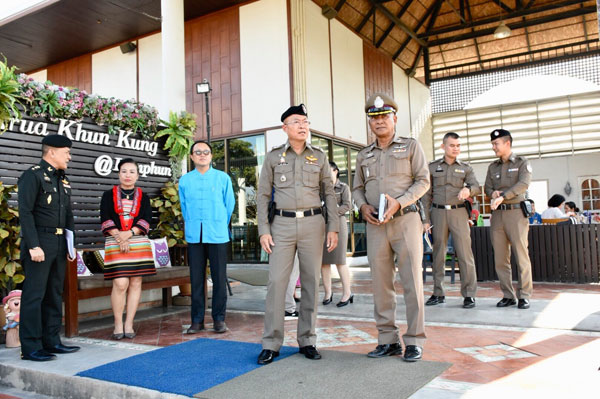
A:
[(137, 262)]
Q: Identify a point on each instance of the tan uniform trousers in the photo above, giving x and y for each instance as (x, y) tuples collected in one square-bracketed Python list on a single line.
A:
[(305, 235), (401, 236), (509, 230), (453, 221)]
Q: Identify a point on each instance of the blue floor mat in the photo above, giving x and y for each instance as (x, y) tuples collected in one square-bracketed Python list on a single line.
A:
[(187, 368)]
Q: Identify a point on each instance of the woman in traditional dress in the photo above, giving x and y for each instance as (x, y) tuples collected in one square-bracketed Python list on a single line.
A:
[(125, 213), (338, 255)]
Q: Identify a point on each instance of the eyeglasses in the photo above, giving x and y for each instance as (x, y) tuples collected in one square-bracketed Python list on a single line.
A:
[(299, 123), (202, 152)]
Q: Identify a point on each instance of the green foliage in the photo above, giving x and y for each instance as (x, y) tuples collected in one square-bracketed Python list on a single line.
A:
[(11, 272), (9, 95), (180, 134), (170, 220)]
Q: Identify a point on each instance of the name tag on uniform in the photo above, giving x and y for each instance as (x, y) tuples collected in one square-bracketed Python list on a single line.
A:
[(399, 148), (66, 185), (459, 171), (439, 169), (513, 169), (311, 163), (369, 155)]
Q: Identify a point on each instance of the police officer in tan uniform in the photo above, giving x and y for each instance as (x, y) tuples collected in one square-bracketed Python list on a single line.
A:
[(295, 175), (452, 182), (506, 182), (396, 168)]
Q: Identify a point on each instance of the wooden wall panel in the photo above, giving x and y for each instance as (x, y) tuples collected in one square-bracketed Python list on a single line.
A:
[(378, 72), (76, 72), (212, 51), (378, 76)]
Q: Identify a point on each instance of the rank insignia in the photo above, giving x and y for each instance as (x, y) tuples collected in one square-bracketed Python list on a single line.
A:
[(459, 171), (49, 199), (46, 178), (50, 168)]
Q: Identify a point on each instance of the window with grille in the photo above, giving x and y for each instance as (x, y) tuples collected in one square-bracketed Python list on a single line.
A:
[(590, 194), (551, 127)]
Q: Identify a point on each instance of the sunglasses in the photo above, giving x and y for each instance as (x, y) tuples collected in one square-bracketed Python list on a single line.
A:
[(202, 152)]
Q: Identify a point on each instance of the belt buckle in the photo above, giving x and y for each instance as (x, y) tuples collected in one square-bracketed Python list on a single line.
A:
[(447, 207), (299, 214), (59, 231)]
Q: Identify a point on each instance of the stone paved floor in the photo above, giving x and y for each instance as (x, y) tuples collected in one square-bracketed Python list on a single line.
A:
[(487, 358)]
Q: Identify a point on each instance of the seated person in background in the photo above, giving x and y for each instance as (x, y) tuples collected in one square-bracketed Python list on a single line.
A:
[(572, 210), (555, 208), (536, 218)]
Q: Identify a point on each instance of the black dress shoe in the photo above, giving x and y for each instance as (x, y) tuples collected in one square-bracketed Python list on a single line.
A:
[(386, 350), (195, 328), (220, 326), (344, 303), (523, 304), (60, 348), (38, 356), (434, 300), (504, 302), (327, 301), (266, 356), (292, 314), (413, 353), (310, 352), (469, 302)]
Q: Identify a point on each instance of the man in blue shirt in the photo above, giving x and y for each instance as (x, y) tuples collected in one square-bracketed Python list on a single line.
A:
[(207, 202), (536, 218)]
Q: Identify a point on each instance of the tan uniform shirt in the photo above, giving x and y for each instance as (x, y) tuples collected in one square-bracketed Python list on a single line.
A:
[(342, 197), (446, 182), (511, 178), (400, 170), (297, 181)]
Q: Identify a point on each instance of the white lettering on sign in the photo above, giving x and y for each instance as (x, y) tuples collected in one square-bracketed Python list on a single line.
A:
[(74, 131), (124, 141), (104, 165)]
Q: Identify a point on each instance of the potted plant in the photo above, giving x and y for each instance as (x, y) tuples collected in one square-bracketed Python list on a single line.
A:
[(179, 133), (11, 271)]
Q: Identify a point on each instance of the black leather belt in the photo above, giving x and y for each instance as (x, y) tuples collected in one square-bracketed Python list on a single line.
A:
[(448, 206), (507, 207), (408, 209), (298, 214), (54, 230)]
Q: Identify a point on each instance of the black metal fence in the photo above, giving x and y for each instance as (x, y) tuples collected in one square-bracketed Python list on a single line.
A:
[(558, 253)]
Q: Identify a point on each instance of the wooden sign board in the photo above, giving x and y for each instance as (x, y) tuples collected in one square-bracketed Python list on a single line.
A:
[(92, 170)]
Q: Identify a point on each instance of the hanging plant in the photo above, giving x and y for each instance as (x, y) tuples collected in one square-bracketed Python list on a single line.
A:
[(179, 130), (10, 95)]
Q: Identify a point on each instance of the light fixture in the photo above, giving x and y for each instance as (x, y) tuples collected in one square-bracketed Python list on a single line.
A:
[(502, 31), (127, 47), (204, 88)]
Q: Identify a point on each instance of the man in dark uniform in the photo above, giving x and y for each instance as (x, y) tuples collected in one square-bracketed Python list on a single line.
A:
[(295, 175), (393, 171), (44, 213), (506, 183)]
